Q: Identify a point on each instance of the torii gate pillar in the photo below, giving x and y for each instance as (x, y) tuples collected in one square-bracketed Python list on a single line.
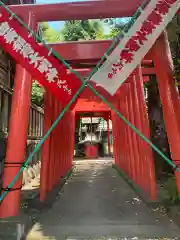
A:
[(17, 137), (169, 97)]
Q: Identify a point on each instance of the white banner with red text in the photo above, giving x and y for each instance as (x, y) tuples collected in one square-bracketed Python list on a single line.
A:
[(37, 60), (131, 50)]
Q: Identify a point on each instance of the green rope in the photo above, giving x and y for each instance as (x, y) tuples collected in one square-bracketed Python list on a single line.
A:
[(84, 83), (43, 139), (113, 44)]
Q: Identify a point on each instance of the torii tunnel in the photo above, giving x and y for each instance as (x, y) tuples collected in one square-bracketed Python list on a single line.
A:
[(131, 154)]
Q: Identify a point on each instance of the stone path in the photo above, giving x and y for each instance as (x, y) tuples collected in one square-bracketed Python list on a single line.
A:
[(97, 204)]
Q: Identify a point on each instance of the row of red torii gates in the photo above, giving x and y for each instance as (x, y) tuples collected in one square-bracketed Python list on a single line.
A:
[(131, 153)]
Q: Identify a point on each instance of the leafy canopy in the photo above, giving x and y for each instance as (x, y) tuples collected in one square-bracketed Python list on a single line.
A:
[(48, 34), (82, 30)]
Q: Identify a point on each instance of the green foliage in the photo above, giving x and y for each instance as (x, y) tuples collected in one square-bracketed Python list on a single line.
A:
[(82, 30), (48, 34), (116, 26), (171, 188), (99, 30), (113, 33), (37, 94), (173, 31)]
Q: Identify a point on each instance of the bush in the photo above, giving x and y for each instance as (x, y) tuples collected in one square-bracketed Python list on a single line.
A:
[(37, 94), (171, 188)]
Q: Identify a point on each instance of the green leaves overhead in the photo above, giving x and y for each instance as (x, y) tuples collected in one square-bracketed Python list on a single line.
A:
[(82, 30)]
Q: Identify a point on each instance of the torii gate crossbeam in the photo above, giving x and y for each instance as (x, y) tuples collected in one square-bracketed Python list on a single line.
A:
[(78, 10), (85, 50)]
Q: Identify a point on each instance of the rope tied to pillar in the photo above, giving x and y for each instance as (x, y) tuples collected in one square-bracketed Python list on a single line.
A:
[(84, 84), (8, 189), (13, 164)]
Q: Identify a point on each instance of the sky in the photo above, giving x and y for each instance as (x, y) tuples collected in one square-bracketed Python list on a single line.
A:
[(59, 25)]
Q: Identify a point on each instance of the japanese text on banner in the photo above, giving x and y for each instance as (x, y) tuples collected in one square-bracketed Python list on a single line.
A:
[(129, 53), (36, 59)]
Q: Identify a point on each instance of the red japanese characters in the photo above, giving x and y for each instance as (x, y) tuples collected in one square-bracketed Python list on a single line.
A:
[(38, 60), (136, 42)]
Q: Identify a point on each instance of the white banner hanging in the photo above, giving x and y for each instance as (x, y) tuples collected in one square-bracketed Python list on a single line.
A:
[(135, 45)]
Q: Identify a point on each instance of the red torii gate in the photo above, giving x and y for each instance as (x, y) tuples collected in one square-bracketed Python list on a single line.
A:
[(89, 53), (141, 174), (78, 10)]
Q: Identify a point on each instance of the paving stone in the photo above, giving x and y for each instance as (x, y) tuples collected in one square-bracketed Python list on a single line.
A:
[(97, 204)]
